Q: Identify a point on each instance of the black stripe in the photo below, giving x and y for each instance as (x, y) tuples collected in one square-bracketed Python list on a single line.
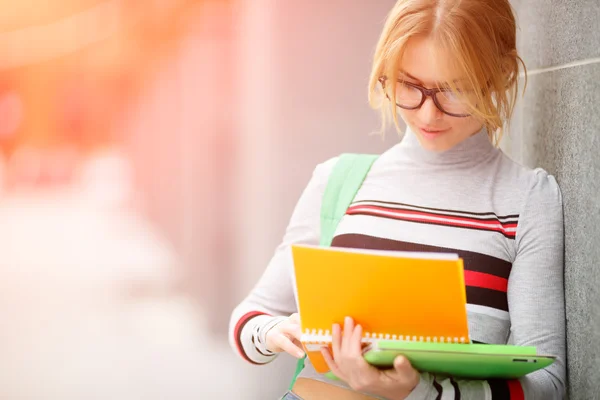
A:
[(473, 261), (239, 340), (456, 389), (439, 389), (487, 297), (492, 217), (511, 216), (506, 235), (255, 335), (257, 349), (499, 388)]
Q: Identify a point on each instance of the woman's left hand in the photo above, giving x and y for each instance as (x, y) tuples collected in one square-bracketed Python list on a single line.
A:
[(348, 364)]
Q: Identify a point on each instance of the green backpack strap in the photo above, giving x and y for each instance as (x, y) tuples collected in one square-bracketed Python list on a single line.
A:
[(344, 181), (346, 178)]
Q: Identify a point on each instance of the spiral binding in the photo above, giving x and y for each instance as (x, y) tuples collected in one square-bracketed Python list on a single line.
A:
[(314, 339)]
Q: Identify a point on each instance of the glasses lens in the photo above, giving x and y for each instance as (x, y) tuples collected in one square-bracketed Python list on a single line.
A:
[(453, 103), (407, 96)]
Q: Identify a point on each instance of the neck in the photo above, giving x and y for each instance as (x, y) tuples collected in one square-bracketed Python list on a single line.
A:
[(471, 150)]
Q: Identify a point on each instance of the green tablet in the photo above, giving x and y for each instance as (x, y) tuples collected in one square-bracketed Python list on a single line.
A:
[(471, 361)]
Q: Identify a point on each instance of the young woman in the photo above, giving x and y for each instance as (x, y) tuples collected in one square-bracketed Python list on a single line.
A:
[(449, 68)]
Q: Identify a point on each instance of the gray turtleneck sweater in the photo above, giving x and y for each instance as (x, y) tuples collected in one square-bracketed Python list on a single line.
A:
[(503, 219)]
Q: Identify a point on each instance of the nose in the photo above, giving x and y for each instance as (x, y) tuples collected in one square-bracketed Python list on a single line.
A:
[(429, 113)]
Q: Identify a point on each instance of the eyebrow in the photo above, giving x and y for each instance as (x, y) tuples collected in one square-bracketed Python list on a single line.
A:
[(410, 76), (420, 81)]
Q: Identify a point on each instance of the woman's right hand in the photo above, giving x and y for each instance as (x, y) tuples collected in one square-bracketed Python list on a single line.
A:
[(285, 336)]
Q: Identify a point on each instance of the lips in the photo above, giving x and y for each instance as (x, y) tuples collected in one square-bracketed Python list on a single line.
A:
[(429, 130), (432, 134)]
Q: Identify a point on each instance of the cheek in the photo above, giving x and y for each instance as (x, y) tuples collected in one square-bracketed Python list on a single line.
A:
[(456, 124), (462, 124)]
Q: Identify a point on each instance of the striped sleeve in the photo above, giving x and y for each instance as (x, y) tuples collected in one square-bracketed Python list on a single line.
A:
[(249, 336), (536, 304), (273, 295)]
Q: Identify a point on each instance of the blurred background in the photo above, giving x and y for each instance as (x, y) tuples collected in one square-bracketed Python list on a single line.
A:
[(151, 153)]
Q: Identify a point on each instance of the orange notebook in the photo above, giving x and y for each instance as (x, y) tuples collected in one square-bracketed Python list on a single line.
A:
[(403, 296)]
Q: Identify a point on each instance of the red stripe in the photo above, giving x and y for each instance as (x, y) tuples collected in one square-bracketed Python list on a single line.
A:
[(443, 223), (515, 389), (440, 211), (486, 281), (237, 331), (493, 223)]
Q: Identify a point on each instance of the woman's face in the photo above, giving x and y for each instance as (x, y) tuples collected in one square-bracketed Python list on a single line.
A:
[(435, 130)]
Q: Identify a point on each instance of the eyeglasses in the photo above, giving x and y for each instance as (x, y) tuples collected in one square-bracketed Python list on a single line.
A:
[(411, 97)]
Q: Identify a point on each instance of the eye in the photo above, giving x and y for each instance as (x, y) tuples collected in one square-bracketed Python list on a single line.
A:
[(451, 95), (405, 79)]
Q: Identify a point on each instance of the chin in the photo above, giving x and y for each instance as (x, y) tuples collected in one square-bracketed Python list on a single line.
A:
[(436, 149), (434, 145)]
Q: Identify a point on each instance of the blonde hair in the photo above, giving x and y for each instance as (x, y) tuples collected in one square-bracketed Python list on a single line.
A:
[(481, 34)]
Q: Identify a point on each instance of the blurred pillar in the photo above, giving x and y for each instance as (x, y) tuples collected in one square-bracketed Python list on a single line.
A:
[(254, 189), (209, 112)]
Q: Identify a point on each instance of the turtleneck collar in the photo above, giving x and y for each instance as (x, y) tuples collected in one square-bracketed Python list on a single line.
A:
[(471, 150)]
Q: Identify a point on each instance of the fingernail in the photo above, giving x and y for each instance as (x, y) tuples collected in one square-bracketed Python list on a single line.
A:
[(348, 320)]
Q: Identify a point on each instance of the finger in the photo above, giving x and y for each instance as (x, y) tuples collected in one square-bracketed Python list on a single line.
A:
[(348, 329), (291, 327), (404, 369), (401, 364), (356, 351), (295, 317), (336, 341), (331, 363), (355, 345), (288, 346), (293, 330)]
